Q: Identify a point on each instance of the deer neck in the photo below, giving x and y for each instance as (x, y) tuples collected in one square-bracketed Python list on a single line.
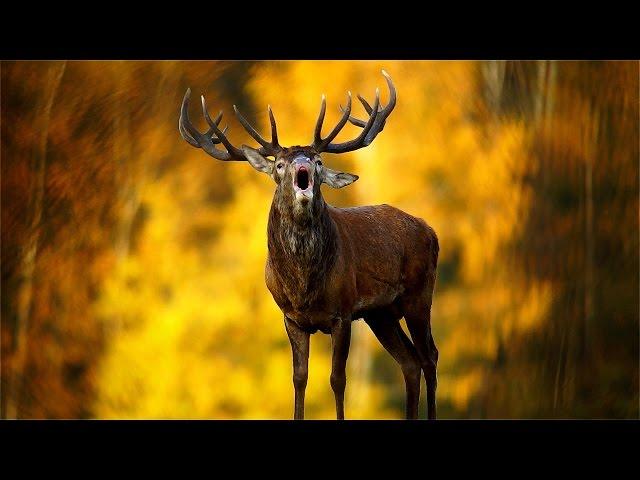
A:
[(301, 251)]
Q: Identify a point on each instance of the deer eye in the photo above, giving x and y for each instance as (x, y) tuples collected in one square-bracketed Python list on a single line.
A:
[(279, 166), (319, 163)]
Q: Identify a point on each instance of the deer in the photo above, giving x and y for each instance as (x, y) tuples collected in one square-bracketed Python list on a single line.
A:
[(328, 266)]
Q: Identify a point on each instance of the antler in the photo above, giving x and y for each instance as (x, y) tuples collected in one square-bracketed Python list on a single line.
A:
[(370, 129), (207, 141)]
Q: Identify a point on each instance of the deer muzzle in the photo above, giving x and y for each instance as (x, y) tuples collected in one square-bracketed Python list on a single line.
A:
[(303, 180)]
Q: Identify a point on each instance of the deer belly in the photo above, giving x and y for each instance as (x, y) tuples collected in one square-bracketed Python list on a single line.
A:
[(383, 295)]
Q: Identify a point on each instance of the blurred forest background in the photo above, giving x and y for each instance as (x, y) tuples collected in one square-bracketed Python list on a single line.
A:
[(133, 264)]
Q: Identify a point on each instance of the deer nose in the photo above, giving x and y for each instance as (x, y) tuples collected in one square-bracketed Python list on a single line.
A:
[(302, 162)]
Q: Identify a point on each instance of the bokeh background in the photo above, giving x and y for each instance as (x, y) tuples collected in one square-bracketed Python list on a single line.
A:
[(133, 264)]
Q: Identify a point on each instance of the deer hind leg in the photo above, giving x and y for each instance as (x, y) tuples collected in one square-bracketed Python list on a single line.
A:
[(418, 318), (394, 340)]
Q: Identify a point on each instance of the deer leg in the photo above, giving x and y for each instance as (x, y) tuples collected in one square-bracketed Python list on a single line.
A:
[(420, 329), (300, 347), (340, 340), (394, 340)]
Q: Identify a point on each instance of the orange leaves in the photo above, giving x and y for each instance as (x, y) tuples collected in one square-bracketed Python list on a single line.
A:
[(149, 299)]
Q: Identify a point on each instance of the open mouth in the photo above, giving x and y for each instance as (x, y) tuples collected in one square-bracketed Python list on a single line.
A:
[(302, 178)]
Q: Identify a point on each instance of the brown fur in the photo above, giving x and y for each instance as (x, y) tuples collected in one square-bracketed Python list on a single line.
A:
[(368, 258), (327, 266)]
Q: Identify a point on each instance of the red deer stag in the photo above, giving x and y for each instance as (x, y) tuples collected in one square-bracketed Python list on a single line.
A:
[(328, 266)]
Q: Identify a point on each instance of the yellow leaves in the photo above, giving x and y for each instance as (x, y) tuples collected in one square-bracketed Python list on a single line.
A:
[(461, 388), (532, 308), (494, 201), (201, 336)]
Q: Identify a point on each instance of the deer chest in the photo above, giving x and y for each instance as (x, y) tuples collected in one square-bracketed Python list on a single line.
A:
[(311, 309)]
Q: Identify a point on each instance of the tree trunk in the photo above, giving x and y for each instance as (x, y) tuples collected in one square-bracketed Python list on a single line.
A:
[(589, 232), (30, 250), (494, 74), (130, 167)]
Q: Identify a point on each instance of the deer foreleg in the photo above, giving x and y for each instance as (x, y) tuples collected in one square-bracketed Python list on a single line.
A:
[(300, 347), (340, 340)]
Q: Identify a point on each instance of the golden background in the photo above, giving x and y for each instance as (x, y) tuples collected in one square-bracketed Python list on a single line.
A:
[(133, 264)]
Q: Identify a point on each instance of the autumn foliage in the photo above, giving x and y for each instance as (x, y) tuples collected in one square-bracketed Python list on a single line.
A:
[(133, 264)]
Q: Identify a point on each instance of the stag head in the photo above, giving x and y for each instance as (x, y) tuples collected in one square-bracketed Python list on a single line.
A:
[(298, 171)]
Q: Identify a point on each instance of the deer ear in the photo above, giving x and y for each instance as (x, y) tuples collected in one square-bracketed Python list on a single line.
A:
[(337, 179), (257, 161)]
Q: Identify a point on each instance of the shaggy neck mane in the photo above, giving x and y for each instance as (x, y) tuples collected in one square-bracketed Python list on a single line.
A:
[(301, 252)]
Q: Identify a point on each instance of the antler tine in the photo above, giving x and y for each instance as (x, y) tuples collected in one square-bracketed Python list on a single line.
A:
[(206, 141), (215, 122), (249, 128), (274, 128), (385, 112), (373, 126), (186, 135), (360, 140), (184, 120), (235, 153), (365, 104), (268, 148), (356, 121), (187, 130), (339, 126), (317, 134), (208, 118)]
